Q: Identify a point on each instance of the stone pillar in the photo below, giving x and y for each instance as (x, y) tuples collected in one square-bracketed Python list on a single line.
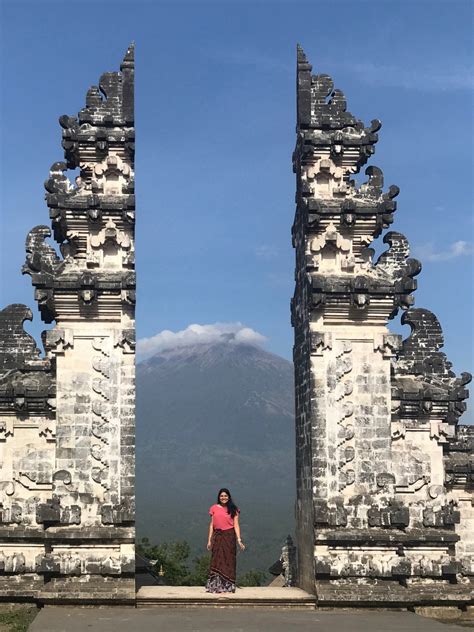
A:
[(82, 524), (365, 487)]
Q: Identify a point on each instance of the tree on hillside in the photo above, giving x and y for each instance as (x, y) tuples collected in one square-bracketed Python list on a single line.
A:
[(252, 578), (170, 558)]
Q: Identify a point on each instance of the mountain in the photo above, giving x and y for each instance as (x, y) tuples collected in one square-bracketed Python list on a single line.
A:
[(210, 416)]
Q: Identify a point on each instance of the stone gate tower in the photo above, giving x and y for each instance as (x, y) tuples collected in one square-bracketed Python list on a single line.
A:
[(67, 420), (384, 479)]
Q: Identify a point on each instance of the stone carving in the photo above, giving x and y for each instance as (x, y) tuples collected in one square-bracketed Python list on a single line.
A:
[(41, 259), (101, 407), (381, 467), (112, 176), (26, 381), (286, 565), (67, 472), (17, 347), (459, 460)]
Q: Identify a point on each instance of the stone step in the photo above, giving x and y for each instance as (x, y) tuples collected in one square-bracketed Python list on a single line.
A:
[(194, 596)]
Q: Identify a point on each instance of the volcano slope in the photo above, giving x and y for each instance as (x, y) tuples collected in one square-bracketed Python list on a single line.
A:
[(210, 416)]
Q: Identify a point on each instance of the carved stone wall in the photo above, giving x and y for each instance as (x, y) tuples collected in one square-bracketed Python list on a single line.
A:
[(384, 485), (67, 420)]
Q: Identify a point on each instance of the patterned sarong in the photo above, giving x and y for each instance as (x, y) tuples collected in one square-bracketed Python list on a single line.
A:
[(223, 559)]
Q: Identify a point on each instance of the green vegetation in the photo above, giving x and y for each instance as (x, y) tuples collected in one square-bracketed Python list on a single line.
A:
[(252, 578), (16, 618), (172, 562)]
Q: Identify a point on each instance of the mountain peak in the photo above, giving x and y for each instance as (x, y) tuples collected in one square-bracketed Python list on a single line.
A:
[(211, 414), (195, 334), (226, 349)]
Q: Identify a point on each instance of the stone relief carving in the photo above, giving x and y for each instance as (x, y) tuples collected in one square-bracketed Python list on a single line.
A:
[(111, 176), (101, 407)]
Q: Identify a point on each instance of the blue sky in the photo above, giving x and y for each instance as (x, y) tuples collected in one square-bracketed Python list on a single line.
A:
[(215, 116)]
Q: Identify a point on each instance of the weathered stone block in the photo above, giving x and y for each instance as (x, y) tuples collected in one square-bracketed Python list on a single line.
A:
[(48, 512), (46, 564)]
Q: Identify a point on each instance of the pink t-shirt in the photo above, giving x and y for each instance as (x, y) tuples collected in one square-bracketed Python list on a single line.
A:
[(220, 518)]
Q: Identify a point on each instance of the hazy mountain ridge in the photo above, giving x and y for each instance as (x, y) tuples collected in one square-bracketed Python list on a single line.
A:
[(212, 415)]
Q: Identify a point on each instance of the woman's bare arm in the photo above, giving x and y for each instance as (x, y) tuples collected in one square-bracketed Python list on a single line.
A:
[(237, 531), (209, 538)]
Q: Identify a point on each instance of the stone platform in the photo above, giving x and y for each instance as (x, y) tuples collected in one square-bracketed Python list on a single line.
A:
[(189, 596)]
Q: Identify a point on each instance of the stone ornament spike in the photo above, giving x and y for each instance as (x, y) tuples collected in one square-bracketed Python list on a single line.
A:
[(303, 89), (57, 181), (420, 362), (129, 58), (17, 347), (426, 334), (381, 474), (323, 119), (396, 262), (40, 257)]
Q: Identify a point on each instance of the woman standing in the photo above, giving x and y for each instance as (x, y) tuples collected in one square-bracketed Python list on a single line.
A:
[(224, 534)]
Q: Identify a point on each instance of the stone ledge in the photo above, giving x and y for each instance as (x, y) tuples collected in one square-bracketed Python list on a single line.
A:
[(391, 537), (392, 594)]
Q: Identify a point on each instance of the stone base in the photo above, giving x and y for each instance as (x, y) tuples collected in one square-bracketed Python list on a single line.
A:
[(391, 594), (68, 590), (93, 590), (445, 613), (24, 587), (68, 564)]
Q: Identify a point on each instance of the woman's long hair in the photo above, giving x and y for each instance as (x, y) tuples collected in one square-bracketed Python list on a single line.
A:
[(231, 506)]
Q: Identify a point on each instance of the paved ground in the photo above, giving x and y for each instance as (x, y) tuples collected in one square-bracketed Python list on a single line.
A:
[(117, 619)]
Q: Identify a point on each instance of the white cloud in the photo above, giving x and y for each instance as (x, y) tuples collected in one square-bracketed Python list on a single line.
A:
[(428, 78), (198, 334), (266, 251), (427, 252), (452, 75)]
